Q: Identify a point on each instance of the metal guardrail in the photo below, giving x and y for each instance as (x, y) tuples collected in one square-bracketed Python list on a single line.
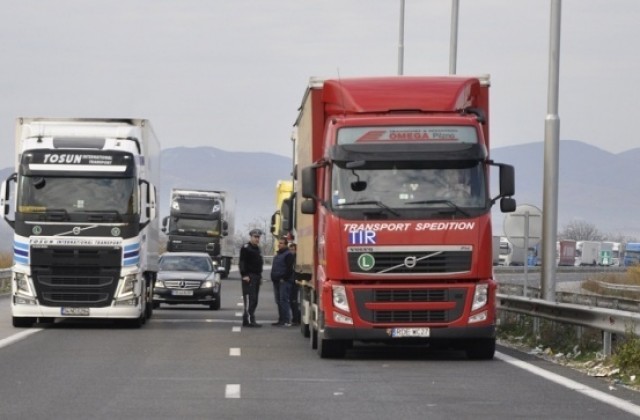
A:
[(605, 319)]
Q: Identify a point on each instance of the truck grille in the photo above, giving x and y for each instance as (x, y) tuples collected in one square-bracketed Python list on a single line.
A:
[(408, 262), (85, 277), (457, 296)]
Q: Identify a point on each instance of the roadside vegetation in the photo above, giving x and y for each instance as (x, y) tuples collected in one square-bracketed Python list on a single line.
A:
[(6, 260)]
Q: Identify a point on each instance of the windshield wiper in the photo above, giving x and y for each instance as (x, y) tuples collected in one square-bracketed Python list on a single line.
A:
[(376, 202), (447, 202), (56, 214), (102, 215)]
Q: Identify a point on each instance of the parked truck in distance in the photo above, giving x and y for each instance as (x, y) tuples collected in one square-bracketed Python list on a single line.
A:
[(631, 254), (282, 218), (393, 213), (84, 217), (566, 252), (202, 221), (587, 253)]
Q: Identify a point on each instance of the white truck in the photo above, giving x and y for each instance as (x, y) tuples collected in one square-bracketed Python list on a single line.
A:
[(83, 202), (587, 253), (202, 221)]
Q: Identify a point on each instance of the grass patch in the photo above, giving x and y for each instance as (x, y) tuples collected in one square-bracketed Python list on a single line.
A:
[(631, 277)]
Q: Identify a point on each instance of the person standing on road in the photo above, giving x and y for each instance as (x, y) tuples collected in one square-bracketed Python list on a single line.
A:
[(250, 266), (282, 278), (295, 289)]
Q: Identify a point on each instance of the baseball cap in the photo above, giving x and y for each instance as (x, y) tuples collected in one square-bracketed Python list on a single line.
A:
[(255, 232)]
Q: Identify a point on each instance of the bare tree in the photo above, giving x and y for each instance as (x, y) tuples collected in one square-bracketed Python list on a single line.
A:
[(580, 230)]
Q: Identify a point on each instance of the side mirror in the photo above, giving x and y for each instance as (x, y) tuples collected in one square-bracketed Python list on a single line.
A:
[(309, 183), (507, 205), (308, 206), (507, 180)]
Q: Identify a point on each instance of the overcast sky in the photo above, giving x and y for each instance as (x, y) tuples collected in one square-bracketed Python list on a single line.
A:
[(231, 74)]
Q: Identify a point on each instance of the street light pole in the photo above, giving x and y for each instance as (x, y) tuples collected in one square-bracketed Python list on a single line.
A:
[(453, 43), (401, 40)]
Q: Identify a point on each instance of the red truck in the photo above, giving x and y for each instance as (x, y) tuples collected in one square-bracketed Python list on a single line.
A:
[(393, 213)]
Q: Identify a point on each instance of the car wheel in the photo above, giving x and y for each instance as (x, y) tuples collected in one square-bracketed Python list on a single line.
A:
[(215, 305)]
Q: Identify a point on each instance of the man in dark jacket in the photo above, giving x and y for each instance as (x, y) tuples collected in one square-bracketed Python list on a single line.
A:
[(250, 265), (282, 278)]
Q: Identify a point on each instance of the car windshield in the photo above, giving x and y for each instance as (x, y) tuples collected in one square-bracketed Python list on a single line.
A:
[(186, 263)]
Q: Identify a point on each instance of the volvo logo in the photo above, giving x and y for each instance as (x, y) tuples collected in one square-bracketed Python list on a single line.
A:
[(77, 230), (410, 262)]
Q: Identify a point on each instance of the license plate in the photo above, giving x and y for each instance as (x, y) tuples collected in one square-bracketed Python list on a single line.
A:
[(410, 332), (182, 292), (75, 311)]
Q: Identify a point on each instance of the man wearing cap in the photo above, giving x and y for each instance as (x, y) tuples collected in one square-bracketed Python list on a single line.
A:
[(250, 265)]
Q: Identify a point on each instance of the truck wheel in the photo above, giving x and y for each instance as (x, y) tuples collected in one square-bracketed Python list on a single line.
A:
[(150, 305), (304, 330), (481, 349), (313, 337), (331, 349), (23, 321)]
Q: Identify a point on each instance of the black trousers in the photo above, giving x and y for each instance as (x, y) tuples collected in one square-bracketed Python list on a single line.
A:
[(250, 291)]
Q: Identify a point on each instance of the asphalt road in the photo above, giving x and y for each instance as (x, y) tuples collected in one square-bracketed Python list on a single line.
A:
[(194, 363)]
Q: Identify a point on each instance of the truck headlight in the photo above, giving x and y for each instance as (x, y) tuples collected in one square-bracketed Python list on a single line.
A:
[(480, 296), (128, 285), (340, 298), (22, 284)]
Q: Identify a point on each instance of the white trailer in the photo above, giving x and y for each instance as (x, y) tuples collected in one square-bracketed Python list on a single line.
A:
[(587, 253), (84, 215)]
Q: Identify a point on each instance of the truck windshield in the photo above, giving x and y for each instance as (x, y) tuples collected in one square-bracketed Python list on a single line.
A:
[(42, 194), (407, 185), (193, 227)]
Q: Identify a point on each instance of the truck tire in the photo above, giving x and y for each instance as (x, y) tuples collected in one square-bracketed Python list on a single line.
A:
[(331, 349), (313, 337), (481, 349), (149, 306), (23, 321)]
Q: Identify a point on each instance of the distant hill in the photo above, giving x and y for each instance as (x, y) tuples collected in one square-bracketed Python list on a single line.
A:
[(595, 186)]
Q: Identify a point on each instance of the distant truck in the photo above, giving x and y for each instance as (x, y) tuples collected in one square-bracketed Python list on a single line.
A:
[(587, 253), (393, 213), (282, 218), (202, 221), (631, 254), (84, 208), (566, 252)]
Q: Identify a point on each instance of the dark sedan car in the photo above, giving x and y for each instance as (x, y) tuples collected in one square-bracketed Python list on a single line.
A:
[(188, 278)]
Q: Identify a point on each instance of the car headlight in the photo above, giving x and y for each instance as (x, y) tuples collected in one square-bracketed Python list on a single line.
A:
[(206, 284), (159, 283)]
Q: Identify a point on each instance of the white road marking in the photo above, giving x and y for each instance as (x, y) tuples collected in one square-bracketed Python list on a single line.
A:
[(234, 351), (571, 384), (236, 329), (238, 313), (18, 336), (232, 391), (239, 304)]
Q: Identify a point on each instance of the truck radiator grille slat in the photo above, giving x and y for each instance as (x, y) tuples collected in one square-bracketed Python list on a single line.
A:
[(456, 295), (86, 277), (409, 316)]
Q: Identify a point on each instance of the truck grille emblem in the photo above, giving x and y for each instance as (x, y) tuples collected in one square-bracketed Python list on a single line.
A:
[(115, 231), (410, 262), (366, 262), (76, 230)]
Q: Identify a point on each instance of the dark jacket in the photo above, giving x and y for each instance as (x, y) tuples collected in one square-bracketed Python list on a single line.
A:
[(250, 261), (282, 267)]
